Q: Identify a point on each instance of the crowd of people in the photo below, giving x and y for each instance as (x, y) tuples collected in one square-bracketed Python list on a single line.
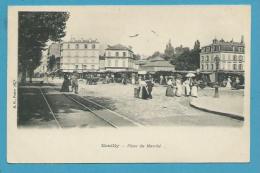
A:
[(144, 89), (70, 81), (176, 85), (178, 88)]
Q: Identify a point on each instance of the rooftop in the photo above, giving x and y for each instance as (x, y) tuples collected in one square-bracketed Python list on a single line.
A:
[(158, 62), (118, 47), (226, 43), (82, 40)]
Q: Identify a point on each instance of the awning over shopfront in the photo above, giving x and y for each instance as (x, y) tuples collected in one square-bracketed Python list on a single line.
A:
[(223, 72)]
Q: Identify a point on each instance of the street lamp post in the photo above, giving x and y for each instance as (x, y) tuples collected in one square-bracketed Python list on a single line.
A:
[(217, 59), (30, 69)]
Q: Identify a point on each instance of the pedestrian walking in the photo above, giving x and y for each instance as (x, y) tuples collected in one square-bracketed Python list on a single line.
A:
[(186, 84), (237, 83), (133, 80), (74, 82), (194, 88), (161, 80), (228, 83), (178, 87), (143, 89), (65, 84), (150, 85), (107, 79), (169, 90), (113, 78)]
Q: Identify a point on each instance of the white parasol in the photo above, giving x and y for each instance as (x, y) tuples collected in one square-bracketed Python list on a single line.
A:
[(190, 75)]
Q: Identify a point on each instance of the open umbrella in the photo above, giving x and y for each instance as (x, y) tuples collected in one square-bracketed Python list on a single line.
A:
[(190, 75)]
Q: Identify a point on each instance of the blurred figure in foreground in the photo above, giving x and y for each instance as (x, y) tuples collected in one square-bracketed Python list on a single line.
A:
[(65, 84)]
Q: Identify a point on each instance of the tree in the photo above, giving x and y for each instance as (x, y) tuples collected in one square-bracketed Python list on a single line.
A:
[(169, 51), (196, 45), (137, 56), (195, 54), (155, 54), (35, 29), (188, 59)]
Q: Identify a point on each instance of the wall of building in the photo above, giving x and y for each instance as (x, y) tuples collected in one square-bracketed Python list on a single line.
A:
[(80, 56), (118, 53), (122, 59), (228, 61), (231, 55), (54, 49), (113, 62)]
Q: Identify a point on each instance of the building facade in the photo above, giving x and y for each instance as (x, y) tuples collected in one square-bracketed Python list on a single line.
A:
[(231, 56), (54, 54), (79, 55), (43, 67), (119, 58)]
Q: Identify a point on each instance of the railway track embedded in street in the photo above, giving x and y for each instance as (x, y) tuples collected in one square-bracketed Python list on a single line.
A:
[(100, 112), (50, 109)]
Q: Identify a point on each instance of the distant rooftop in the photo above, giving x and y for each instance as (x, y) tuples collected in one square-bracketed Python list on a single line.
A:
[(157, 58), (118, 47), (158, 62), (227, 43), (82, 40)]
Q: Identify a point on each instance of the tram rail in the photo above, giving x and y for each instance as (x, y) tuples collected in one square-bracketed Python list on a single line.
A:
[(50, 109)]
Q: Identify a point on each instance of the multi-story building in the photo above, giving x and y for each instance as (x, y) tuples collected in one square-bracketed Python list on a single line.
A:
[(54, 54), (42, 68), (231, 56), (119, 58), (79, 55), (102, 63)]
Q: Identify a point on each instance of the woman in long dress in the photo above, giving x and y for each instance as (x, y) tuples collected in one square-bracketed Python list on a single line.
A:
[(65, 84), (194, 88), (169, 90), (186, 84), (178, 88), (143, 90), (228, 83)]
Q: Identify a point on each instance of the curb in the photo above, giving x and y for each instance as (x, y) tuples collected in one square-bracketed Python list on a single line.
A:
[(234, 116)]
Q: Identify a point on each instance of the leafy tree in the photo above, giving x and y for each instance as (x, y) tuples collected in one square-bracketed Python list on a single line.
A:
[(35, 29), (195, 55), (137, 57), (188, 59), (155, 54), (196, 45)]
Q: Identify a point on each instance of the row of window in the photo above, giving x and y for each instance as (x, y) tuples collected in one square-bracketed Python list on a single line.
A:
[(84, 67), (212, 58), (217, 48), (77, 60), (223, 67), (77, 46), (80, 53), (116, 54), (109, 63)]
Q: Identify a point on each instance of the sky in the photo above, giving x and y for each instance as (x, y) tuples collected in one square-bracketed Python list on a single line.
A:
[(156, 25)]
